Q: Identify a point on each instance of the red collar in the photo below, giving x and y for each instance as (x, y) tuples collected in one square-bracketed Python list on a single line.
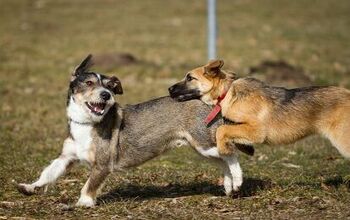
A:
[(216, 109)]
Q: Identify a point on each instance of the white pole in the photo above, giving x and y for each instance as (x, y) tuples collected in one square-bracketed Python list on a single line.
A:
[(211, 29)]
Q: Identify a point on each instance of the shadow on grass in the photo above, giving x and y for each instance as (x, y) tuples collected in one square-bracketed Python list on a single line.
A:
[(136, 192), (337, 181)]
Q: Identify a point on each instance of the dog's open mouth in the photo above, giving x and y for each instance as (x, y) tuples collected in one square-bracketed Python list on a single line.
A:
[(98, 108)]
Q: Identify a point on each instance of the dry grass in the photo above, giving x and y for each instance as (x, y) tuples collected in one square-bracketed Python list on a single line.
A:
[(41, 41)]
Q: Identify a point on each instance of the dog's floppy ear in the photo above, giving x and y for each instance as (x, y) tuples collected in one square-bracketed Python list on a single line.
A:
[(84, 66), (116, 85), (213, 67)]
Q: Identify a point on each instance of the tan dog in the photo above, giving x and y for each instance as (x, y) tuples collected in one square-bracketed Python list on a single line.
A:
[(264, 114)]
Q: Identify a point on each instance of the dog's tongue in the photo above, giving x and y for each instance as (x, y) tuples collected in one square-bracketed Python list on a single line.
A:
[(98, 107)]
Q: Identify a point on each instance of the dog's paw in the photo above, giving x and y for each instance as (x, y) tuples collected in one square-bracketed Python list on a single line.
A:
[(228, 185), (26, 189), (85, 201), (236, 184), (228, 191)]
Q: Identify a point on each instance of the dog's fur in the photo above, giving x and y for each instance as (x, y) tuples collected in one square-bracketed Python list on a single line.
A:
[(265, 114), (144, 131)]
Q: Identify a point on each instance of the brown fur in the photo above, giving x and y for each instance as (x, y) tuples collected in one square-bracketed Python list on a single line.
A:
[(271, 115)]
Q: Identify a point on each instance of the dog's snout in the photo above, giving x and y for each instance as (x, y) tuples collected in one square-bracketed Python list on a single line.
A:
[(105, 95)]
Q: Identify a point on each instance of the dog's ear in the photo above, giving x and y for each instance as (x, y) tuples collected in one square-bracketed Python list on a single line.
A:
[(213, 67), (116, 85), (84, 66)]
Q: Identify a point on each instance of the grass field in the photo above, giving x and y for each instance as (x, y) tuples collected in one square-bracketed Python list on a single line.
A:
[(42, 40)]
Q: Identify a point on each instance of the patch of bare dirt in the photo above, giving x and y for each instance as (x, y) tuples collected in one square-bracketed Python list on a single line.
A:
[(280, 73), (109, 61)]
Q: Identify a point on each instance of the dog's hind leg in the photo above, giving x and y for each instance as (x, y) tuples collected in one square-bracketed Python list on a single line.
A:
[(340, 139), (231, 168), (228, 184), (51, 173), (235, 170), (336, 127), (92, 186)]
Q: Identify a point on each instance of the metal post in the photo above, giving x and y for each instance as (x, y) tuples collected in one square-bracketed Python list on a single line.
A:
[(211, 29)]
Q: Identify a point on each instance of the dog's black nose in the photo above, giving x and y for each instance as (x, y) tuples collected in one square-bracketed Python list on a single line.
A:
[(105, 95), (171, 88)]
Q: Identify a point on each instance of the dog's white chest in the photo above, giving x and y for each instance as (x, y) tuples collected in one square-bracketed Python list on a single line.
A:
[(82, 138)]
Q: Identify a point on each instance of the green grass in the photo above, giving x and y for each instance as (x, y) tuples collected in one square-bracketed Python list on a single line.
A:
[(41, 42)]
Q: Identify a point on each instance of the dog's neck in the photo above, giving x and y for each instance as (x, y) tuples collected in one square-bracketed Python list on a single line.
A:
[(77, 114), (104, 132), (219, 88), (80, 123)]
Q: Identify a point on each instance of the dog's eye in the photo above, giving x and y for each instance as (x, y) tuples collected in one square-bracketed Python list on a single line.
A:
[(89, 83), (189, 78)]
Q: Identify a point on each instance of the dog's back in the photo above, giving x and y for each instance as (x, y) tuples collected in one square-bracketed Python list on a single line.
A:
[(286, 115)]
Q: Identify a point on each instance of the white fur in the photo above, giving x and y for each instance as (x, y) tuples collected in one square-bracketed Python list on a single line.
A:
[(77, 112), (81, 113), (82, 138), (236, 171), (73, 150), (53, 171), (228, 185), (56, 168), (81, 132), (99, 78), (233, 176), (85, 201), (209, 152)]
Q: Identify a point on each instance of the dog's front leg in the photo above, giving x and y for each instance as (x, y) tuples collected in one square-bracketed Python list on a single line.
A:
[(51, 173), (92, 186), (240, 133)]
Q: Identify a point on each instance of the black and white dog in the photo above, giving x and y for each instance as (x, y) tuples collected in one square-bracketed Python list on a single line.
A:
[(109, 137), (94, 120)]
